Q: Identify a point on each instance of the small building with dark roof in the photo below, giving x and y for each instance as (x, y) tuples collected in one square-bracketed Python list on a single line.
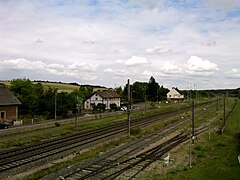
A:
[(103, 97), (8, 105)]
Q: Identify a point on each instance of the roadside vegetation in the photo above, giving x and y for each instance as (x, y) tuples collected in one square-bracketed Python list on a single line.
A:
[(17, 140), (199, 150), (214, 159)]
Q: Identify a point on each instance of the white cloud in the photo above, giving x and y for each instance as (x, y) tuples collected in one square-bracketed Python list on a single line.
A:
[(136, 61), (158, 50), (169, 68), (121, 72), (119, 61), (83, 66), (22, 64), (72, 41), (197, 66), (108, 70), (56, 66), (80, 71), (149, 74), (234, 73)]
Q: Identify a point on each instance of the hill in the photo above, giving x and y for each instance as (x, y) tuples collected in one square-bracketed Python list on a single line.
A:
[(61, 86)]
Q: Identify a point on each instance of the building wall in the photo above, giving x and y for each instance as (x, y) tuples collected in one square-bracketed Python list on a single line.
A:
[(173, 94), (10, 113), (98, 99)]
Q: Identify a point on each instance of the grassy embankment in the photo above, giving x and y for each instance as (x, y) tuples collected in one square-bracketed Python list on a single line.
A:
[(214, 159), (104, 147), (17, 140)]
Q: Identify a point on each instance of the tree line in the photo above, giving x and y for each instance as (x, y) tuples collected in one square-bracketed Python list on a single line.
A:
[(37, 100), (144, 91)]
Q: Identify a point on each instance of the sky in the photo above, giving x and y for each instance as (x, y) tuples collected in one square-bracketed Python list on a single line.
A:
[(181, 43)]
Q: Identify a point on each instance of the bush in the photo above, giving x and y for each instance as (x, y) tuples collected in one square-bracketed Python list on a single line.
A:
[(57, 124), (135, 131)]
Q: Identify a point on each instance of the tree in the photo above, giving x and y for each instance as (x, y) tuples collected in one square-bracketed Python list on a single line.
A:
[(152, 90), (49, 102), (139, 91), (29, 95), (162, 93), (119, 90), (84, 93)]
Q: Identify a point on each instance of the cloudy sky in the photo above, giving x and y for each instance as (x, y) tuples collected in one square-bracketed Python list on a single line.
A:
[(105, 42)]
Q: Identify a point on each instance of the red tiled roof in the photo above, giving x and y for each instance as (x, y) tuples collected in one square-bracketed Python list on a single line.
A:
[(7, 97)]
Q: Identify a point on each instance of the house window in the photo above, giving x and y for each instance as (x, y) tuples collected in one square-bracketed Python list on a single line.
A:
[(2, 115), (96, 98)]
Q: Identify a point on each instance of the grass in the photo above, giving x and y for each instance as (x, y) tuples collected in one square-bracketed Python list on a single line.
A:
[(60, 86), (136, 132), (216, 159), (80, 157), (18, 140)]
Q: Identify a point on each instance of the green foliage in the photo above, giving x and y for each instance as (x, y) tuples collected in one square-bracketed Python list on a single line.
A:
[(139, 91), (162, 93), (119, 90), (135, 131), (143, 91), (28, 94), (39, 101), (85, 92), (152, 90)]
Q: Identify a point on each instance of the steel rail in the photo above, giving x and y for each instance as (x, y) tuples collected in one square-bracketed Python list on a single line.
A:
[(51, 145)]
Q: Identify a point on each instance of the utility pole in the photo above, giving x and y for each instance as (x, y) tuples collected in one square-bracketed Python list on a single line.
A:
[(55, 108), (193, 131), (209, 133), (128, 108), (145, 99), (224, 110), (76, 112), (190, 153)]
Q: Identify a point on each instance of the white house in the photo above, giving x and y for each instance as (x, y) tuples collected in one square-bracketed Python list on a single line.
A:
[(104, 97), (174, 95)]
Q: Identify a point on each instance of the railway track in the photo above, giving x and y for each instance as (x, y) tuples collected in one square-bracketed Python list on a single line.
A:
[(125, 161), (20, 156)]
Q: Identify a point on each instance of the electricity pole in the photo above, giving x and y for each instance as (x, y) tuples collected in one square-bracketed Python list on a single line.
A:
[(193, 131), (76, 112), (55, 108), (128, 108), (224, 109)]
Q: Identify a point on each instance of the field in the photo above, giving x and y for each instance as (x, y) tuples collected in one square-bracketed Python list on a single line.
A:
[(214, 159), (60, 86)]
